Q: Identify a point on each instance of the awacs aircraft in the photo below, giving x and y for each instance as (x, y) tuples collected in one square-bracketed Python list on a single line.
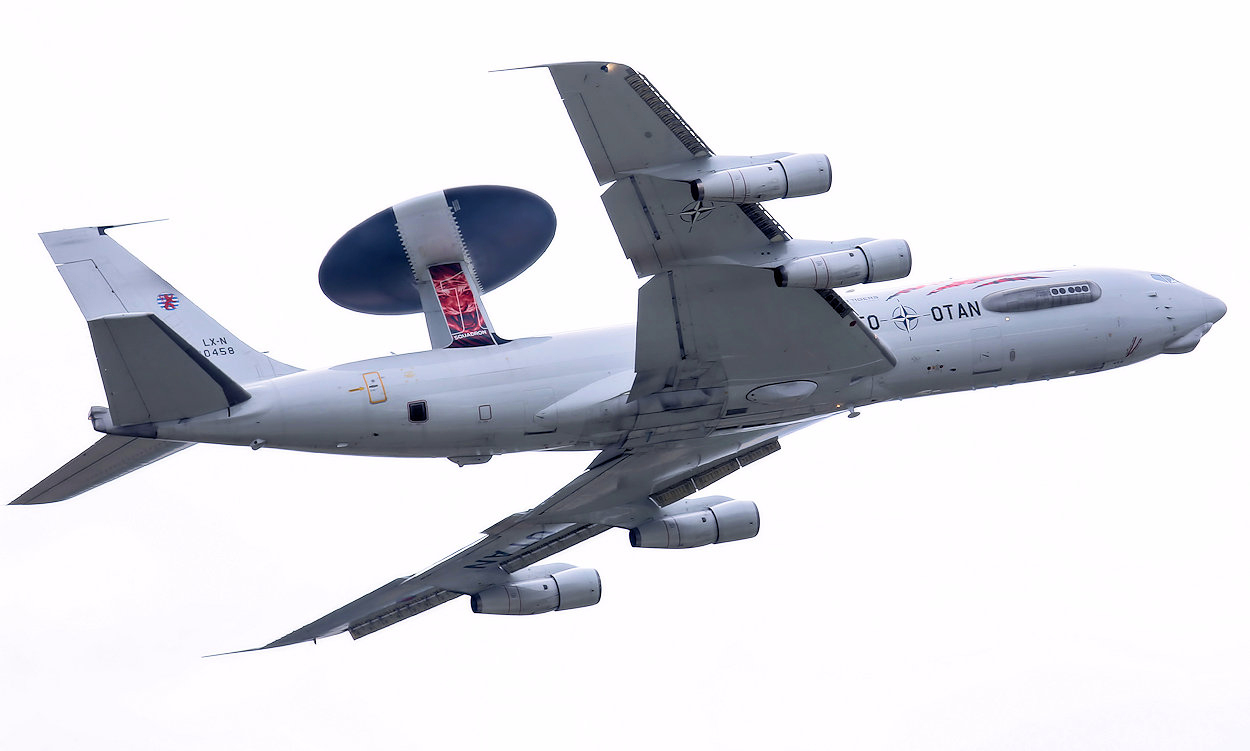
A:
[(742, 337)]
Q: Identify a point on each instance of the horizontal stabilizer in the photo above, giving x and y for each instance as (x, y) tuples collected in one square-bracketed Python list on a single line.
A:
[(109, 458), (151, 374)]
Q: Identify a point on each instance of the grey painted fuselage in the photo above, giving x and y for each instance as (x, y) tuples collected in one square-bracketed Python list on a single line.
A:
[(570, 391)]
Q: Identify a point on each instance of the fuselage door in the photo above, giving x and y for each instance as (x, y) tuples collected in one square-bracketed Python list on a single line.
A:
[(987, 350), (377, 392)]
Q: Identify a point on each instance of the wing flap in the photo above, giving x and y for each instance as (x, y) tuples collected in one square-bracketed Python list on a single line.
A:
[(391, 598), (732, 327), (398, 613)]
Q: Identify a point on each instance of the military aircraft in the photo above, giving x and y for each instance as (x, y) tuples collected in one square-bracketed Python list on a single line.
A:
[(743, 335)]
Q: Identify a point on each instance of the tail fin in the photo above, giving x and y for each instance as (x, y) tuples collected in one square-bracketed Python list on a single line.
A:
[(106, 280)]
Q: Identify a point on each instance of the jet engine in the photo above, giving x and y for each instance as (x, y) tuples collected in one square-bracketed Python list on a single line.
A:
[(873, 261), (723, 522), (539, 589), (788, 177)]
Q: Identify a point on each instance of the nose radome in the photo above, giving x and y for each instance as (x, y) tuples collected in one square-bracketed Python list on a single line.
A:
[(1215, 309)]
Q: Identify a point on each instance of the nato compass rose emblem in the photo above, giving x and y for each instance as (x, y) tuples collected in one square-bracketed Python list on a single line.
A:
[(695, 211), (905, 318)]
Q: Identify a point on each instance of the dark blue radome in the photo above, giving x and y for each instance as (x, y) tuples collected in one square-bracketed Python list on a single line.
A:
[(505, 231)]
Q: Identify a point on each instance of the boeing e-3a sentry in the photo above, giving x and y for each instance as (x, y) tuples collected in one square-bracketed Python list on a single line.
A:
[(742, 337)]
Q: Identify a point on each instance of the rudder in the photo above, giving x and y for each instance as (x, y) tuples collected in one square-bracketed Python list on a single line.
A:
[(151, 374)]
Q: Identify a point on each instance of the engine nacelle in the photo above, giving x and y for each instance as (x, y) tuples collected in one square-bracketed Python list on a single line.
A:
[(875, 261), (788, 177), (724, 522), (560, 590)]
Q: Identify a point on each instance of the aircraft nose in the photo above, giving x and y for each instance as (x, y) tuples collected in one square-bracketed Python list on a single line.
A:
[(1195, 304), (1215, 309)]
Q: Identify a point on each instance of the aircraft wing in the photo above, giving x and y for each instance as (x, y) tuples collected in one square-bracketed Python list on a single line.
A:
[(713, 328), (618, 490), (633, 137), (708, 336), (713, 324)]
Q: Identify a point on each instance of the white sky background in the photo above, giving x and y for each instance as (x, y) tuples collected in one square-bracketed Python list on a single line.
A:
[(1054, 565)]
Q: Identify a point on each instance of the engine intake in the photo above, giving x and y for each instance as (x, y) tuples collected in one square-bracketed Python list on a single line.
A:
[(874, 261), (788, 177), (723, 522), (559, 590)]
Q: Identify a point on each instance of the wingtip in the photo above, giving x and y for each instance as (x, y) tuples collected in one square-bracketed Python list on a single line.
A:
[(520, 67), (271, 645), (602, 64), (39, 496), (236, 652), (104, 227)]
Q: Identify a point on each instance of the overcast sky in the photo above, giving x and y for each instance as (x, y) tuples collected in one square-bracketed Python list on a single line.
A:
[(1052, 565)]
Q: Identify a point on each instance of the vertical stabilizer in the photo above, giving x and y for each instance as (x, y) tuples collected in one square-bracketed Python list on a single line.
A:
[(106, 280)]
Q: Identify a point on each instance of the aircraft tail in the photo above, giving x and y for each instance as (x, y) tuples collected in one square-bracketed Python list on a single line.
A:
[(106, 280), (160, 356)]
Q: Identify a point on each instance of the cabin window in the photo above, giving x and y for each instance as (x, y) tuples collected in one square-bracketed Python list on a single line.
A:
[(1042, 297), (417, 412)]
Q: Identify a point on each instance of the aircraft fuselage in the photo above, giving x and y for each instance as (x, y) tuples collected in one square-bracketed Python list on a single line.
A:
[(570, 391)]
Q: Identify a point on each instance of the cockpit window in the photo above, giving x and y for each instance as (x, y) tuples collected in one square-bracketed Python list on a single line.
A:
[(1164, 278), (1042, 297)]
